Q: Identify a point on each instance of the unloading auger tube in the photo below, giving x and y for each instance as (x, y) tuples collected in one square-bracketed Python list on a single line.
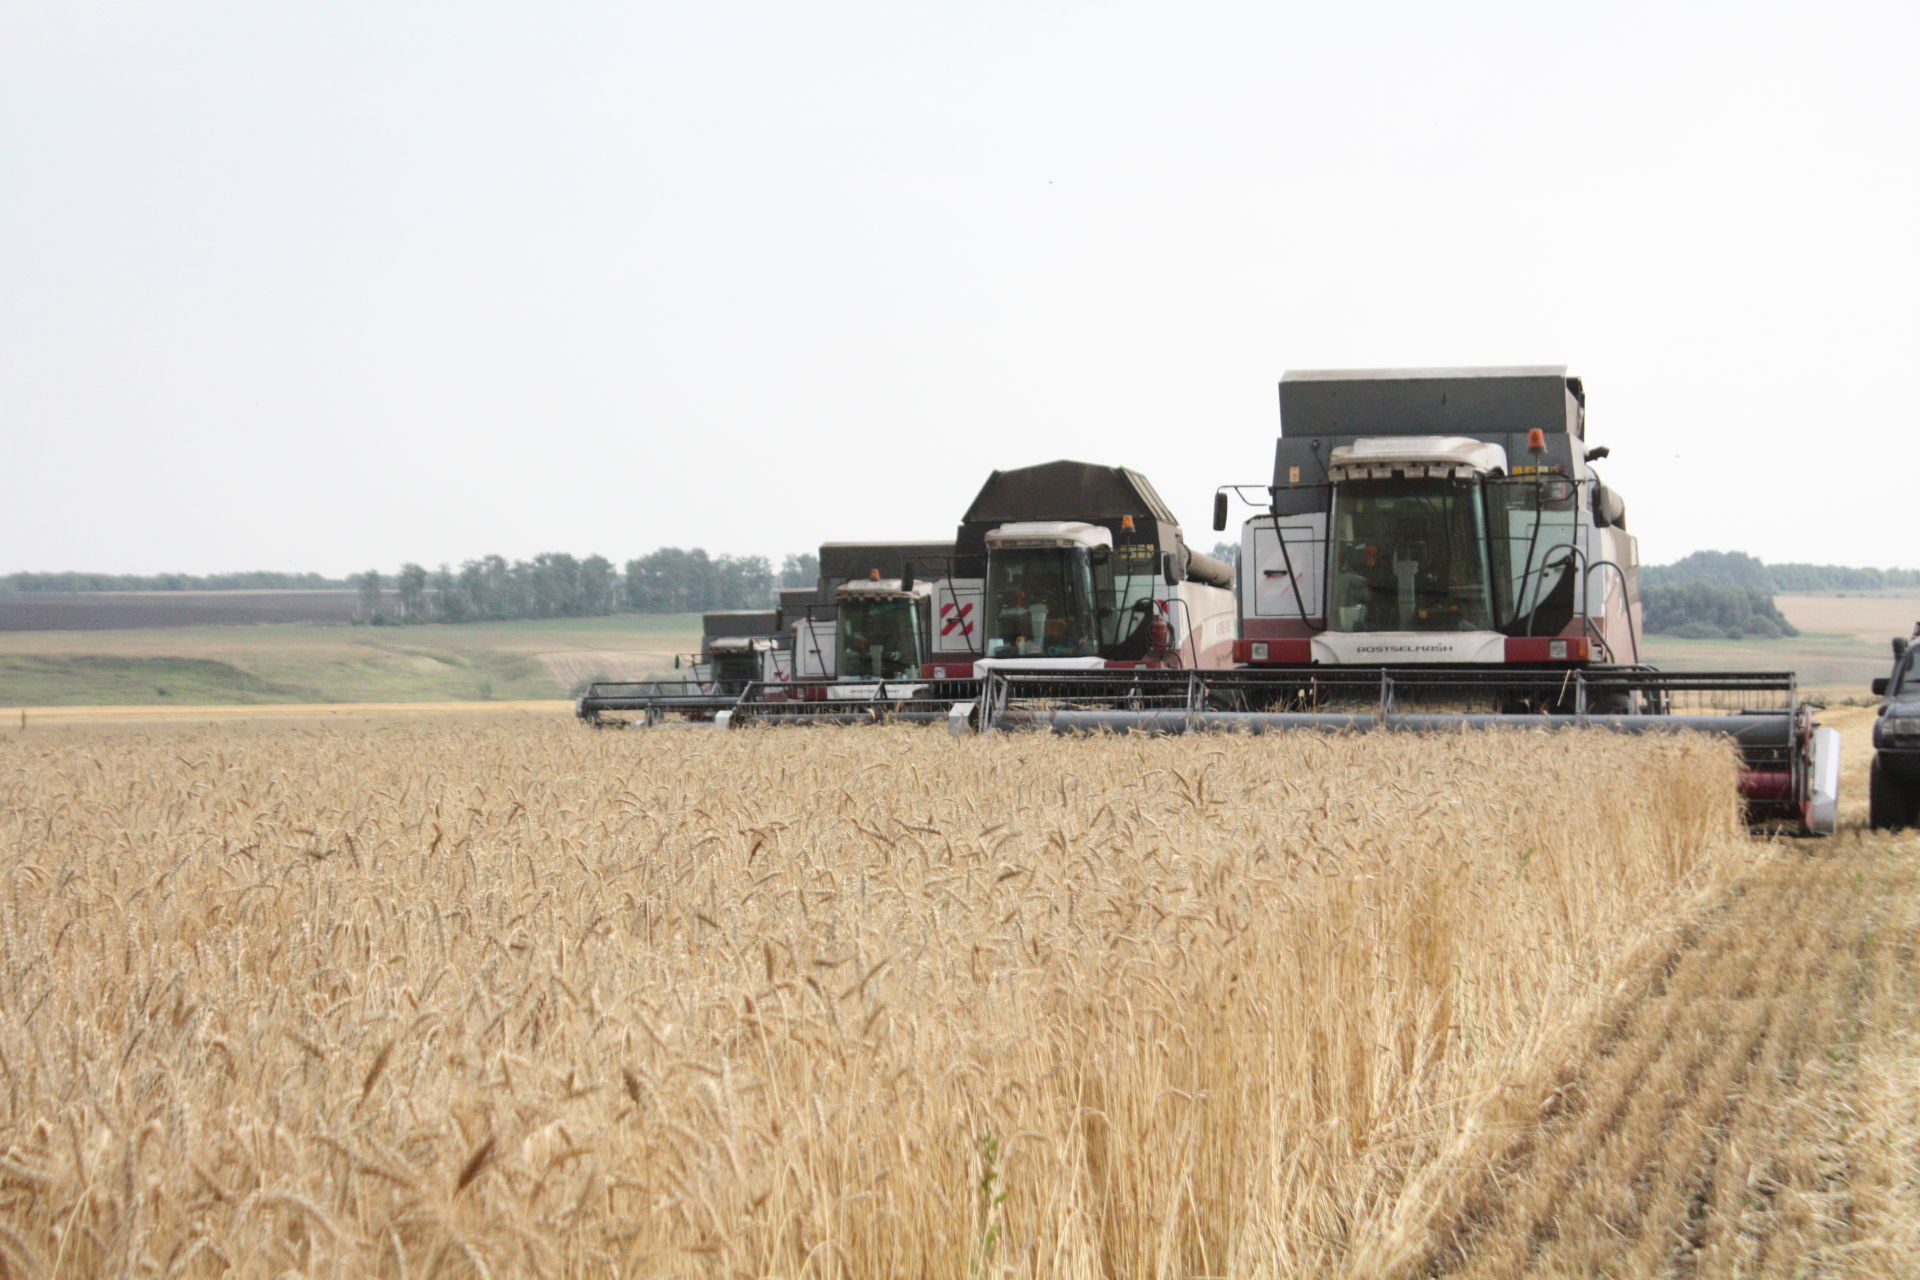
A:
[(1789, 774)]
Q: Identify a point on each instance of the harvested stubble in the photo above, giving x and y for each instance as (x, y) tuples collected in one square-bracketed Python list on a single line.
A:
[(441, 1000)]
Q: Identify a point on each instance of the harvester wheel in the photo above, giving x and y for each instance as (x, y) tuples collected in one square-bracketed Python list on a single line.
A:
[(1890, 802)]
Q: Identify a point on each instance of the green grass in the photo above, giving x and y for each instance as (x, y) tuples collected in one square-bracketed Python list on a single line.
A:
[(1821, 659), (37, 680), (486, 661)]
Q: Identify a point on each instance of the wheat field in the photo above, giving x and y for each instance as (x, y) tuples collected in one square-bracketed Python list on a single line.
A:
[(445, 998)]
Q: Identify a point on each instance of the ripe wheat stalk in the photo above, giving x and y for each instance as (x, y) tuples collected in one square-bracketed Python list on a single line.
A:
[(466, 998)]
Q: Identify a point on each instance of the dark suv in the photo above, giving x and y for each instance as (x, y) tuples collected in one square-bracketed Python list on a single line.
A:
[(1894, 788)]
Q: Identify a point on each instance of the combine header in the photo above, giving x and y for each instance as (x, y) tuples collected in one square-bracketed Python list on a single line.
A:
[(1435, 550)]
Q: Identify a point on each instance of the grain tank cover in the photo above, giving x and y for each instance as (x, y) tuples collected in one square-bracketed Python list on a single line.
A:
[(1431, 402), (1066, 491), (740, 622), (843, 561)]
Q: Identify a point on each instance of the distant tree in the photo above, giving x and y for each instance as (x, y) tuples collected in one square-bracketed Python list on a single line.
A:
[(741, 582), (1720, 568), (449, 599), (671, 580), (1227, 551), (523, 594), (1706, 610), (556, 584), (802, 570), (554, 579), (598, 586), (473, 589), (411, 584), (1737, 569), (368, 585), (638, 590), (498, 586)]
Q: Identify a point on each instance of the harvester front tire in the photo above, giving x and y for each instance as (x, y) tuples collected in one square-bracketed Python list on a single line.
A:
[(1890, 802)]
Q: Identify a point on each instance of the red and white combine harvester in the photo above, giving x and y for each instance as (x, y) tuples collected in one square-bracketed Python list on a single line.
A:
[(1435, 551), (853, 636), (861, 643), (867, 621), (1074, 567), (1062, 568)]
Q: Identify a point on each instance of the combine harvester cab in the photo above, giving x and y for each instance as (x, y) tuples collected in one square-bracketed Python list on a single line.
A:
[(1074, 588), (739, 649), (1436, 551), (859, 649)]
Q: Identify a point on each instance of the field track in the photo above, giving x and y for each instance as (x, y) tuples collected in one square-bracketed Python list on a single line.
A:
[(1745, 1109), (1747, 1105)]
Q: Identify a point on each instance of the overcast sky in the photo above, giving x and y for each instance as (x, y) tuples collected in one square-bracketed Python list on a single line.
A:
[(329, 286)]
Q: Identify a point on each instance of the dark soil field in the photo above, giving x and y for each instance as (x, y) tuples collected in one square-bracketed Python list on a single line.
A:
[(123, 610)]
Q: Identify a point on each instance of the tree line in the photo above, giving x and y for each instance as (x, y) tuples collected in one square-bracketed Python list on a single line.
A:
[(1711, 595), (555, 584), (1738, 569), (1712, 611)]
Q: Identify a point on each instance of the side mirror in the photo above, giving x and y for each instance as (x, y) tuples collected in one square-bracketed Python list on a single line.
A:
[(676, 662), (1899, 646), (1169, 569), (1219, 510), (1880, 686), (906, 580)]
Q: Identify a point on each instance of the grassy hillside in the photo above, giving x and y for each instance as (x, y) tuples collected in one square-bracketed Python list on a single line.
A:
[(478, 662), (1842, 646)]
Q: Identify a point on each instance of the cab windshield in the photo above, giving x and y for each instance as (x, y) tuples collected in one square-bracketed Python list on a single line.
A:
[(878, 640), (1410, 556), (1454, 555), (733, 672), (1533, 531), (1041, 603)]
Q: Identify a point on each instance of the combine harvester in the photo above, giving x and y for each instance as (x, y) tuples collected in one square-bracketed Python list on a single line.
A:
[(770, 659), (1066, 568), (1436, 551), (738, 648), (859, 649), (1080, 568), (867, 621)]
